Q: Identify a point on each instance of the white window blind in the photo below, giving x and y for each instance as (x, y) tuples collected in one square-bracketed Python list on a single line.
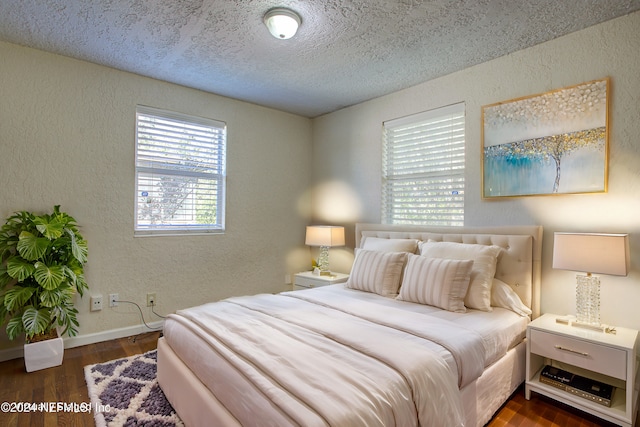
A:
[(423, 168), (180, 173)]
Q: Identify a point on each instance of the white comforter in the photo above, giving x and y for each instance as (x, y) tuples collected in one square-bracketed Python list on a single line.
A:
[(328, 361)]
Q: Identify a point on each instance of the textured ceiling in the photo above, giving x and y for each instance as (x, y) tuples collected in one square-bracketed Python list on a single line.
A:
[(345, 52)]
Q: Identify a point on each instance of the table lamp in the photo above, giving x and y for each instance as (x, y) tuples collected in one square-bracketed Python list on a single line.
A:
[(324, 236), (590, 253)]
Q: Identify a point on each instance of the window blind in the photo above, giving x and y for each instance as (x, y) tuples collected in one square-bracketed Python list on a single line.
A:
[(180, 173), (423, 168)]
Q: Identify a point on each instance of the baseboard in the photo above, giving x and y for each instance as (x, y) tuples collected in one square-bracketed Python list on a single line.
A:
[(11, 353), (79, 340)]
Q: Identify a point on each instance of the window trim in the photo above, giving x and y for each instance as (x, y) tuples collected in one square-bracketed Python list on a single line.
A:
[(192, 229)]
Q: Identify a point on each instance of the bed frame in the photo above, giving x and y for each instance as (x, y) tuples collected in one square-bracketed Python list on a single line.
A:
[(519, 266)]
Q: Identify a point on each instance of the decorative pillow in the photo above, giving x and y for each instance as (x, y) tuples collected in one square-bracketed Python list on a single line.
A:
[(390, 245), (484, 259), (377, 272), (503, 296), (439, 282)]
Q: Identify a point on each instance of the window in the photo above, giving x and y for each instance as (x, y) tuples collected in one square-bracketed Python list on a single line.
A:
[(423, 168), (180, 173)]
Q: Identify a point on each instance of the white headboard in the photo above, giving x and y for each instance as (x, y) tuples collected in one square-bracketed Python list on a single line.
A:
[(519, 264)]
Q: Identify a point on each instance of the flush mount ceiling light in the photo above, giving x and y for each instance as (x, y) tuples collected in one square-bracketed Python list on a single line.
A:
[(282, 23)]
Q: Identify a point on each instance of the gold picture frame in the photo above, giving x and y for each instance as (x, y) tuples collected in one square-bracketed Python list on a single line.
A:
[(547, 144)]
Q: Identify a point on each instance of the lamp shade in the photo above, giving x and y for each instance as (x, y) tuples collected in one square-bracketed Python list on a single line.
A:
[(324, 235), (282, 23), (592, 253)]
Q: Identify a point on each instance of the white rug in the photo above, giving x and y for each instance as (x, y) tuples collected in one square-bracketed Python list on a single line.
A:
[(125, 392)]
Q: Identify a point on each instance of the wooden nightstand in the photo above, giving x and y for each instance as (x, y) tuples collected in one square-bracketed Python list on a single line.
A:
[(605, 357), (307, 279)]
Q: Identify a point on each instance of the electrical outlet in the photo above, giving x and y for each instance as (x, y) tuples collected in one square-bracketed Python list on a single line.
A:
[(96, 302), (113, 300), (151, 299)]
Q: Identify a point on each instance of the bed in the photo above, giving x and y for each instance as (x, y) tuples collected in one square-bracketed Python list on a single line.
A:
[(428, 331)]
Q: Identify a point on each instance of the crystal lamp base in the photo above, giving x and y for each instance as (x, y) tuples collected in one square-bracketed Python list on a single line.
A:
[(323, 261), (588, 300)]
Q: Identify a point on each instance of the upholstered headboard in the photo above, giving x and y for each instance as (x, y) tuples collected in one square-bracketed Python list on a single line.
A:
[(519, 264)]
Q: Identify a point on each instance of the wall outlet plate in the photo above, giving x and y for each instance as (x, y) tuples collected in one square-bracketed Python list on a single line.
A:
[(96, 302), (151, 299), (113, 300)]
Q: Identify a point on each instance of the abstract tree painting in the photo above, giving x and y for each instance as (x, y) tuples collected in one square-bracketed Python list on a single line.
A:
[(554, 143)]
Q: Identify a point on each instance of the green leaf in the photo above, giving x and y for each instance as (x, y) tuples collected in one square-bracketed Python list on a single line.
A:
[(31, 247), (19, 269), (17, 297), (49, 277), (78, 247), (14, 327), (20, 221), (50, 299), (5, 279), (81, 284), (36, 321), (71, 275), (68, 319), (8, 242), (51, 228), (76, 267), (76, 281)]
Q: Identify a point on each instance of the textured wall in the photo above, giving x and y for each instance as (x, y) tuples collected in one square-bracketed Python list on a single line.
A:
[(347, 152), (67, 137)]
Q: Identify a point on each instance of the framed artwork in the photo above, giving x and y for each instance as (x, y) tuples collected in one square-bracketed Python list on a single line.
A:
[(553, 143)]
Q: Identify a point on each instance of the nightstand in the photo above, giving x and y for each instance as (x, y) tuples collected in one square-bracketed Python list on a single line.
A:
[(307, 279), (604, 357)]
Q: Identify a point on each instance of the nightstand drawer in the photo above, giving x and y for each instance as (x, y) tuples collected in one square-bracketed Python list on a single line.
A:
[(588, 355), (309, 282), (307, 279)]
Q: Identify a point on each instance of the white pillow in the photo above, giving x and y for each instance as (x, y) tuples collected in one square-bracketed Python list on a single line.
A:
[(377, 272), (484, 259), (503, 296), (390, 245), (439, 282)]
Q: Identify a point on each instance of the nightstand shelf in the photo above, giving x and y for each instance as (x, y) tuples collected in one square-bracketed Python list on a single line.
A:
[(618, 401), (604, 357), (307, 280)]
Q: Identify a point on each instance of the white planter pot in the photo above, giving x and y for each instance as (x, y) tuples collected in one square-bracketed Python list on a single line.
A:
[(43, 354)]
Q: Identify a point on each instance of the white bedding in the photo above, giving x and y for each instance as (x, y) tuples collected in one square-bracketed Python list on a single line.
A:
[(500, 329), (381, 370)]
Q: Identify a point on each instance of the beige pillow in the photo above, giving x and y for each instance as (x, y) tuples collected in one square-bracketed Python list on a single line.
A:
[(377, 272), (503, 296), (439, 282), (484, 259), (390, 245)]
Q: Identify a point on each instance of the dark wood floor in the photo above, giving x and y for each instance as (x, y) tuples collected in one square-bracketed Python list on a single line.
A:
[(541, 411), (63, 383), (66, 384)]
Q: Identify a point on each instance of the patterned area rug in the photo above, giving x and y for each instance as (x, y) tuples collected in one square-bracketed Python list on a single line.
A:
[(125, 392)]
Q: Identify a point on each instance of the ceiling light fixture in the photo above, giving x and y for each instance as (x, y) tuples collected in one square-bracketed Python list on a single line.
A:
[(282, 23)]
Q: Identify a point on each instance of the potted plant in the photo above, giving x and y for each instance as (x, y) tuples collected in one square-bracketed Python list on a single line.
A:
[(42, 261)]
